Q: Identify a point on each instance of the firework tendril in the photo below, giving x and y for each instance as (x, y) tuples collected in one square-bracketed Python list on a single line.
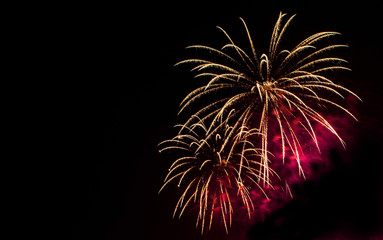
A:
[(224, 145)]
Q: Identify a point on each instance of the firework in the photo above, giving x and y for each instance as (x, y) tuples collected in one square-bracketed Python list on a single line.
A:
[(223, 147), (282, 85), (217, 166)]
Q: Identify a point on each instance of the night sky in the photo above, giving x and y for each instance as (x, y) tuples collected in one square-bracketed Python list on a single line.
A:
[(115, 94)]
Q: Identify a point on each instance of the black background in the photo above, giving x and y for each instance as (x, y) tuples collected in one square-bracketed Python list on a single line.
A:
[(111, 95)]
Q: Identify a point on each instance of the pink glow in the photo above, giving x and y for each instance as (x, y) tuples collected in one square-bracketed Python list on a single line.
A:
[(288, 170)]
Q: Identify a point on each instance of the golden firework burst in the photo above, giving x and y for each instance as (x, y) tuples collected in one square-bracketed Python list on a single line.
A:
[(223, 145), (216, 166), (282, 84)]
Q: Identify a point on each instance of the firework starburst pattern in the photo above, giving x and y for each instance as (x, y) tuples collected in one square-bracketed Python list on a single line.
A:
[(224, 153)]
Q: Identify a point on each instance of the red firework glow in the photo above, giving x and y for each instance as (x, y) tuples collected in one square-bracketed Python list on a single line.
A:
[(269, 198)]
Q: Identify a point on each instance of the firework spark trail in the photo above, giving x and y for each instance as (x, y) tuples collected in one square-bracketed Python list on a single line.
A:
[(224, 146), (215, 167), (283, 84)]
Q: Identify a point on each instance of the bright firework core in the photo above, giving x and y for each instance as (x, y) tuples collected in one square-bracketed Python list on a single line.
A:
[(258, 126)]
